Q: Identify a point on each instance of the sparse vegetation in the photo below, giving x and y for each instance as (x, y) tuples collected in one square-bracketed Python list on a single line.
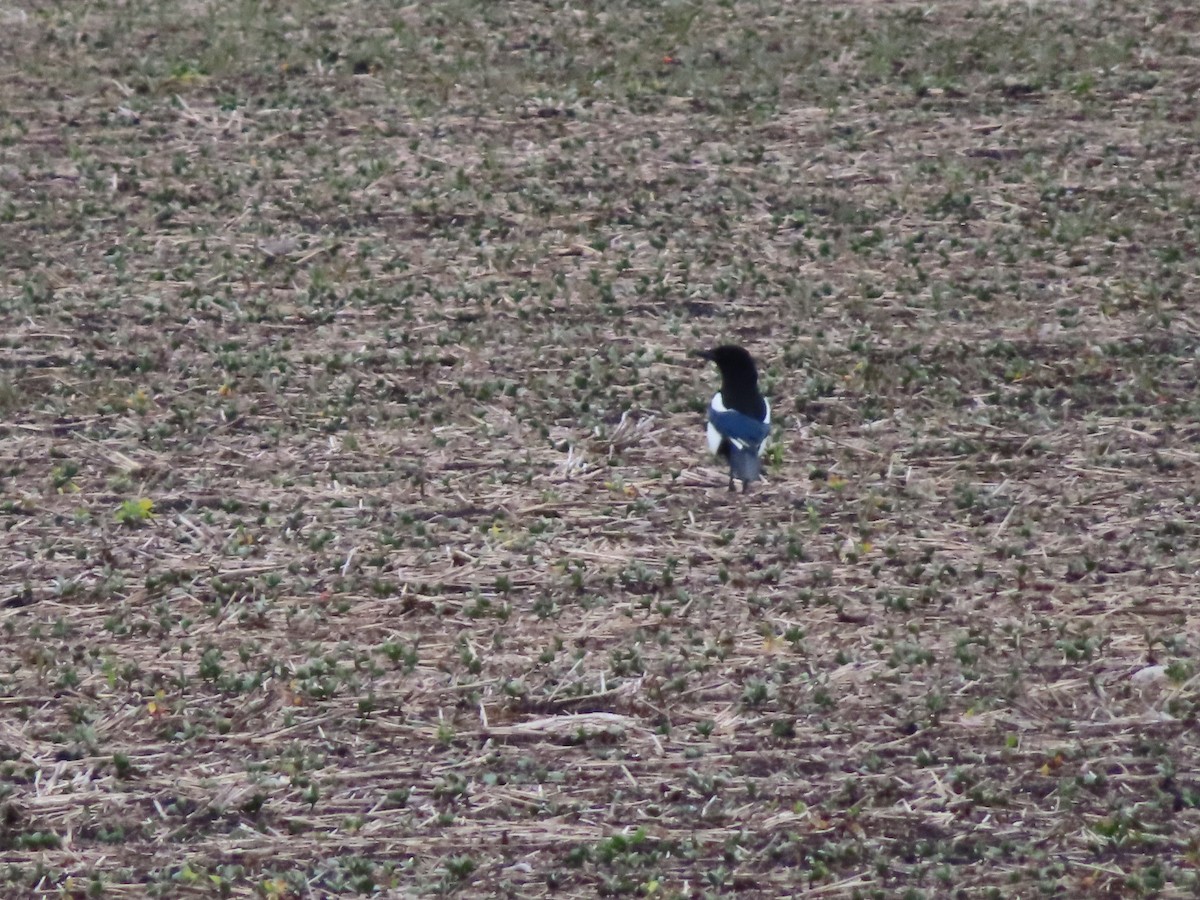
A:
[(357, 531)]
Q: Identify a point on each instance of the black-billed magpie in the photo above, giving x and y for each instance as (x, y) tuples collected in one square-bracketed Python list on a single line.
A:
[(739, 417)]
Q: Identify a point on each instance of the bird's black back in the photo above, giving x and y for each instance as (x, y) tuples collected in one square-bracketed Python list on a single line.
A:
[(739, 381)]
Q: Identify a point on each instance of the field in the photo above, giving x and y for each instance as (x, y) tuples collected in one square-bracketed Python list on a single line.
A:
[(357, 530)]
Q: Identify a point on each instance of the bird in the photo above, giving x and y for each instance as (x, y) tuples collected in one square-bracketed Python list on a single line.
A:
[(739, 417)]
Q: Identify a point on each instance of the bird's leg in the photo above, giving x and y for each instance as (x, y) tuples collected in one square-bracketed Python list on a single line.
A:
[(745, 487), (731, 485)]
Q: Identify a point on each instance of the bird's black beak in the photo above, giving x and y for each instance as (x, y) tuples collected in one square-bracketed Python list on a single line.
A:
[(703, 354)]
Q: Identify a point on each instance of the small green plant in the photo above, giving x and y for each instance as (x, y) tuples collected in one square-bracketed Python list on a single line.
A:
[(134, 513)]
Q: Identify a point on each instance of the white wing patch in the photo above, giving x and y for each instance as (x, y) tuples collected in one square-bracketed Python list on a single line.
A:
[(714, 439), (714, 436), (767, 439)]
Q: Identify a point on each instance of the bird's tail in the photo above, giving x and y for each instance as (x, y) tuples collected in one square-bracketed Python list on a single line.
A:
[(744, 464)]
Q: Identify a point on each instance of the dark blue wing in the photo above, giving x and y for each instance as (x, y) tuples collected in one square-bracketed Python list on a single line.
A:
[(739, 427)]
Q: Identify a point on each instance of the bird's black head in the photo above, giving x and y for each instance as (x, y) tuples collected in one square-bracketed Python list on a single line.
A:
[(735, 363), (739, 380)]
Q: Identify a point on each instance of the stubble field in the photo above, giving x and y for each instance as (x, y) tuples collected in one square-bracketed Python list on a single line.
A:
[(357, 532)]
